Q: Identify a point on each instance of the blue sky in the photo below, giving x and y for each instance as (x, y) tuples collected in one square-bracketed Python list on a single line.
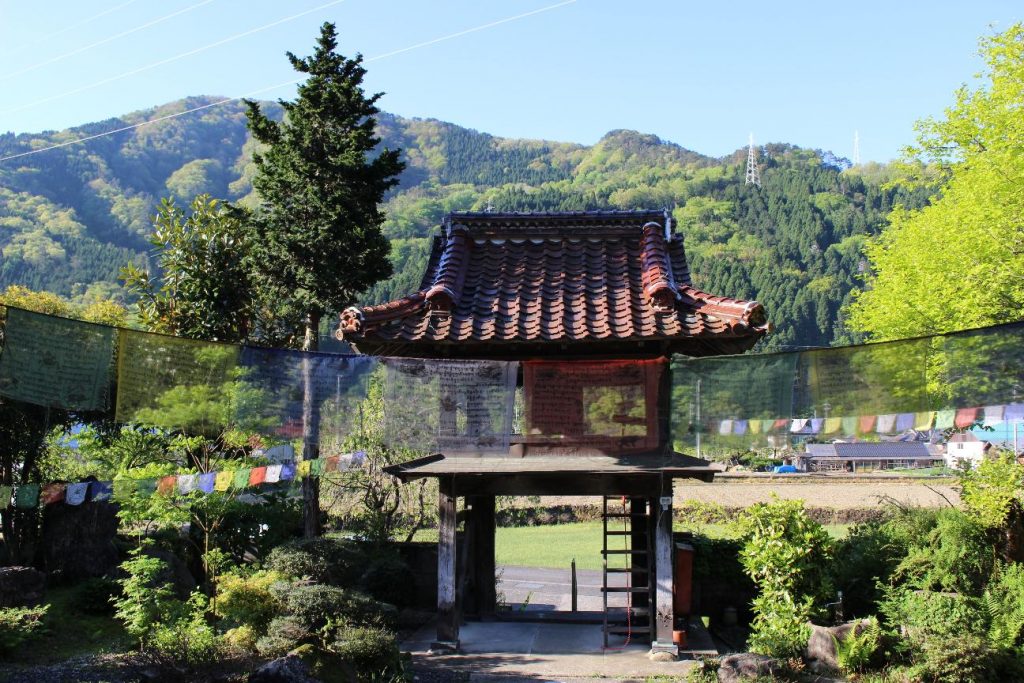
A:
[(699, 74)]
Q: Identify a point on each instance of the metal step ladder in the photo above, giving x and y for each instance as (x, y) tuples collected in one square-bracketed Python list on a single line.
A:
[(621, 526)]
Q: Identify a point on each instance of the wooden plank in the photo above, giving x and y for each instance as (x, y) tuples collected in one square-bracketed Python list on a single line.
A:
[(559, 484), (447, 615), (663, 614), (481, 526), (639, 539)]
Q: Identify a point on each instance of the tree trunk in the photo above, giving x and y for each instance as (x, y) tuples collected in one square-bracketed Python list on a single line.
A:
[(310, 430)]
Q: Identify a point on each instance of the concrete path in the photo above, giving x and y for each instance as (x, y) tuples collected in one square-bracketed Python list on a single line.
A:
[(530, 589)]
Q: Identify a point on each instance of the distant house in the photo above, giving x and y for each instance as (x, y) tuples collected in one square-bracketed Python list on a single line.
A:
[(965, 446), (838, 457)]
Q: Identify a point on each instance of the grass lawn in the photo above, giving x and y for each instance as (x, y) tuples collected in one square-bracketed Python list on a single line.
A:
[(556, 545)]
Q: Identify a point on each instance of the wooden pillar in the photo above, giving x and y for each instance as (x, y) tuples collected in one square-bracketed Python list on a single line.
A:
[(481, 520), (447, 614), (639, 539), (664, 618)]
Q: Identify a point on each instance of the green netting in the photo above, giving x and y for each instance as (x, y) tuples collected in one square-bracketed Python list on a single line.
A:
[(272, 391), (732, 402), (176, 383), (449, 405), (56, 362), (977, 368)]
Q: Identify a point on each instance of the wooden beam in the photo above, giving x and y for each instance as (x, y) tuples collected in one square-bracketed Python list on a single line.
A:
[(560, 484), (663, 609), (639, 539), (447, 614)]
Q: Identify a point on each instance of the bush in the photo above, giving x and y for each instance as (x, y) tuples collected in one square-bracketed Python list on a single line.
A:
[(334, 561), (185, 637), (390, 580), (1004, 606), (955, 555), (864, 559), (316, 606), (785, 553), (96, 596), (284, 634), (370, 651), (19, 625), (241, 638), (247, 600)]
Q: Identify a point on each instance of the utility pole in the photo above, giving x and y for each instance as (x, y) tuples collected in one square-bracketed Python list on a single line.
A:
[(753, 174)]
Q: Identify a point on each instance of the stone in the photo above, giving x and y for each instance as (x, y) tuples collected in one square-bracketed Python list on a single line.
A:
[(820, 653), (746, 666), (21, 586), (79, 541), (287, 669)]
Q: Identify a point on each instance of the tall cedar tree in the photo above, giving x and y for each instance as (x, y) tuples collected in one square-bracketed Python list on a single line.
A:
[(320, 184)]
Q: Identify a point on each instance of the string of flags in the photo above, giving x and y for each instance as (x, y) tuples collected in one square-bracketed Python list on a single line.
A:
[(891, 423), (32, 495)]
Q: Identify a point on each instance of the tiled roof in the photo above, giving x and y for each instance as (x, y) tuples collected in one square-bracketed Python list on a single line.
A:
[(543, 281)]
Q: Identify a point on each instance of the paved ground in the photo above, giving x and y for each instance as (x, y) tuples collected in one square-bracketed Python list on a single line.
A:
[(527, 589)]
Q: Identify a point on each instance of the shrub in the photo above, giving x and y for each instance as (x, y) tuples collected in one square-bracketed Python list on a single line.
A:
[(390, 580), (96, 596), (144, 600), (284, 634), (1004, 606), (955, 555), (854, 653), (247, 599), (371, 651), (785, 553), (242, 638), (334, 561), (316, 606), (18, 625), (185, 637), (867, 556)]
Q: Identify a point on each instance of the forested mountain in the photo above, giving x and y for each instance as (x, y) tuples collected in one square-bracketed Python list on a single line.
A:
[(70, 217)]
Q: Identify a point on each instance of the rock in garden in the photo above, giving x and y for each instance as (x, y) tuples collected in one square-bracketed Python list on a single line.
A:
[(820, 653), (287, 669), (21, 586), (746, 666)]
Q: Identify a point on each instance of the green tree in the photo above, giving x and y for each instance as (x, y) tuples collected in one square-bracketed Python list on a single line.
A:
[(320, 182), (956, 263)]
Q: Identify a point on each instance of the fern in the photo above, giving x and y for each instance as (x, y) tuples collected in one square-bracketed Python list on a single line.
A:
[(1003, 601), (855, 651)]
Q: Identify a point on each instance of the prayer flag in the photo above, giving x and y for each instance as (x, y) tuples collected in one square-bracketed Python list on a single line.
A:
[(316, 467), (331, 464), (75, 494), (739, 427), (186, 483), (287, 471), (123, 489), (52, 493), (725, 427), (241, 479), (886, 424), (780, 424), (832, 425), (166, 485), (945, 419), (965, 417), (923, 421), (206, 481), (303, 469), (849, 425), (273, 474), (797, 425), (26, 496), (1013, 412), (100, 491), (5, 496), (993, 415), (866, 423), (223, 480), (146, 487), (755, 426), (257, 475), (816, 424), (904, 422), (358, 458)]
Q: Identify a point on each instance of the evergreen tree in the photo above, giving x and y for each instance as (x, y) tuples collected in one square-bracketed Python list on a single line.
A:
[(320, 184)]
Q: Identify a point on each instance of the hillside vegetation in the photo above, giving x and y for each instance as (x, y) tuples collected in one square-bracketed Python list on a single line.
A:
[(71, 217)]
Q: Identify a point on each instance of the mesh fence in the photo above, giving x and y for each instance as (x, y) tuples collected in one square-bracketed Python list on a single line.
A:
[(449, 405), (56, 362), (612, 403)]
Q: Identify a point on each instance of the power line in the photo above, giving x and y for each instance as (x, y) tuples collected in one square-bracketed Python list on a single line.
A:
[(104, 41), (72, 27), (168, 60), (281, 85)]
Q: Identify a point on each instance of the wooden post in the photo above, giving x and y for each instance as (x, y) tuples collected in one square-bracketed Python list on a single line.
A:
[(483, 555), (664, 619), (447, 616)]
